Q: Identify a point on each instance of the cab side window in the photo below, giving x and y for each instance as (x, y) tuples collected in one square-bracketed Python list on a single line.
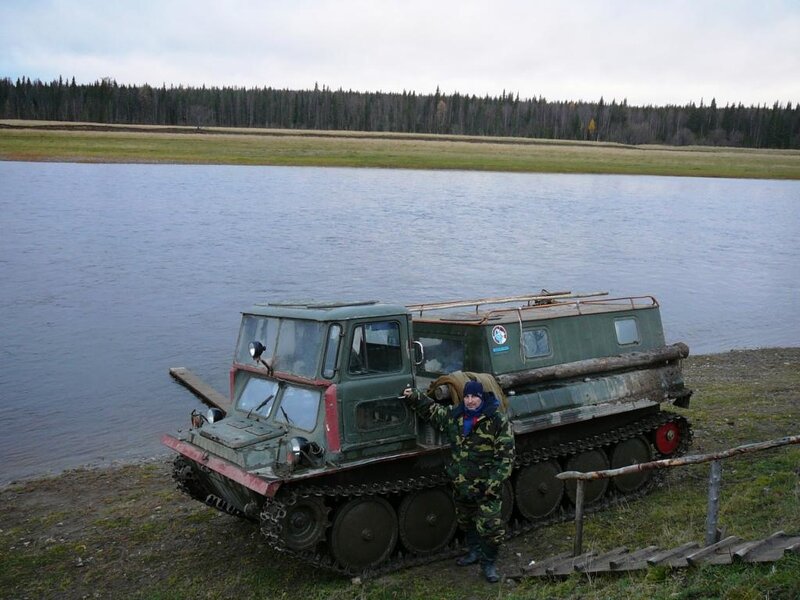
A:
[(375, 348)]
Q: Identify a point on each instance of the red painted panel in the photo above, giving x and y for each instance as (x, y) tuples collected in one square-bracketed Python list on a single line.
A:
[(332, 420), (223, 467)]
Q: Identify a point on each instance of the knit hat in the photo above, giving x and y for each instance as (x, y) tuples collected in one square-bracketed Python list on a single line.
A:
[(473, 388)]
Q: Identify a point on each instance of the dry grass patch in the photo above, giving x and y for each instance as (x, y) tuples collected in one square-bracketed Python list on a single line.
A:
[(40, 141)]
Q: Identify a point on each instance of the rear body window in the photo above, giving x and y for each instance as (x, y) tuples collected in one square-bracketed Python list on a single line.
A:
[(536, 343), (442, 355), (627, 331)]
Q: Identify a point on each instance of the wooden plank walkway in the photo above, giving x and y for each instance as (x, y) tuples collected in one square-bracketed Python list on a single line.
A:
[(200, 388), (726, 551)]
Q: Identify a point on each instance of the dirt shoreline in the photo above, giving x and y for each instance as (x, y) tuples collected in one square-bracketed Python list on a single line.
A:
[(124, 531)]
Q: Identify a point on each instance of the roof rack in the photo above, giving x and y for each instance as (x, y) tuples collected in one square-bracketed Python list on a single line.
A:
[(544, 297), (313, 304)]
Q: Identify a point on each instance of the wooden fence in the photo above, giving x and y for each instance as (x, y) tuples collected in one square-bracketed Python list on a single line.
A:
[(715, 479)]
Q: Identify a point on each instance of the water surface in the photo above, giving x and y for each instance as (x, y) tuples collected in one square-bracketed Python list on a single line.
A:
[(111, 274)]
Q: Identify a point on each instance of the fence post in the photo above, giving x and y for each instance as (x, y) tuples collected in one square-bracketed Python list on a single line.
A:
[(578, 546), (714, 479)]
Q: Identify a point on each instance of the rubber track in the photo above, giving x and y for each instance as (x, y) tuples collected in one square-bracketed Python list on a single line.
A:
[(190, 484), (274, 510)]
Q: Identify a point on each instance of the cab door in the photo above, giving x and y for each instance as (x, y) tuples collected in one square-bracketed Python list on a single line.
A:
[(376, 366)]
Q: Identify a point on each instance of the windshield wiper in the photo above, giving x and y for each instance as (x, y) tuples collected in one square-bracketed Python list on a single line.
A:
[(260, 406), (288, 420)]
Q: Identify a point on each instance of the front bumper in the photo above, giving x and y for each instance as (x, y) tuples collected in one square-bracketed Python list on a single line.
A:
[(261, 484)]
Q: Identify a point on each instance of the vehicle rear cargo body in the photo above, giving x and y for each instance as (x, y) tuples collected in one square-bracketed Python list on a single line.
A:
[(317, 446)]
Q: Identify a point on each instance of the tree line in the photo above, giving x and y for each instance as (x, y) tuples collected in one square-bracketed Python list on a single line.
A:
[(105, 101)]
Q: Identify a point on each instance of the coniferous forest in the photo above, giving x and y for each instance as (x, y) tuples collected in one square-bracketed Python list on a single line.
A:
[(105, 101)]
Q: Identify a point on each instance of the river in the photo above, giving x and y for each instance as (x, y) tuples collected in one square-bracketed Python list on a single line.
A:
[(111, 274)]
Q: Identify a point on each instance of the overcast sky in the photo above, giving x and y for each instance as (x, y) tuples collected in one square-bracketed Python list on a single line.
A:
[(646, 51)]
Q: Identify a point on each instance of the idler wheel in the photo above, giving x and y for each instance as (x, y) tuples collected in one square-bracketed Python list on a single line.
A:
[(668, 437), (427, 520), (364, 532), (634, 451), (305, 523), (539, 493), (593, 460)]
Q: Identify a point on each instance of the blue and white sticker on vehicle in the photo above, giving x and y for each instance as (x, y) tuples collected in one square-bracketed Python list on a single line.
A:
[(499, 337), (499, 334)]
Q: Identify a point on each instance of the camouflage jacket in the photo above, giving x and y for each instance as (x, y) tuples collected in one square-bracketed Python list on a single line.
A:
[(482, 459)]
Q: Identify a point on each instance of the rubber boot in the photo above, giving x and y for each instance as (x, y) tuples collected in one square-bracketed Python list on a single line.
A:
[(490, 572), (473, 556), (488, 558)]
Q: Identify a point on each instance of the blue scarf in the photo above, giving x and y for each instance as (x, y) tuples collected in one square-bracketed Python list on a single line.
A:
[(471, 417)]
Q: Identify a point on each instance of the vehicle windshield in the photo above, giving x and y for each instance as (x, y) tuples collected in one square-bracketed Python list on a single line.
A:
[(292, 345), (258, 396), (299, 407), (296, 406)]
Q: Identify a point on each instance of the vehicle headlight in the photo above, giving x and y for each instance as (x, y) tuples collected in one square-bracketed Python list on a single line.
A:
[(215, 414), (300, 450)]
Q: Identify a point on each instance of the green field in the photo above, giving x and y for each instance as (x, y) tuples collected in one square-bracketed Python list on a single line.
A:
[(81, 142)]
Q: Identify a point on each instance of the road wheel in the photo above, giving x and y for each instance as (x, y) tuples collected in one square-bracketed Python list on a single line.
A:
[(539, 492), (364, 533), (634, 451), (427, 520), (592, 460)]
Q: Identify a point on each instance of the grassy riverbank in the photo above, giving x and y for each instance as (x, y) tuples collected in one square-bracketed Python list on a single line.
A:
[(82, 142), (126, 532)]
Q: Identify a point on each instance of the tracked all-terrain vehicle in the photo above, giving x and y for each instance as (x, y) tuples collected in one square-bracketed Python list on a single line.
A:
[(315, 445)]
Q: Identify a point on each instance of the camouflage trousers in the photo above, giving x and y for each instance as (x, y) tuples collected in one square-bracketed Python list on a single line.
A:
[(481, 517)]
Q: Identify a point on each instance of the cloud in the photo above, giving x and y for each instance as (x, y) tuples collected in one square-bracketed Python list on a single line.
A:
[(648, 52)]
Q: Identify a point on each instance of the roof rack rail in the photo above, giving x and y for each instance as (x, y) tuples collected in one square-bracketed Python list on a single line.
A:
[(315, 304), (544, 297)]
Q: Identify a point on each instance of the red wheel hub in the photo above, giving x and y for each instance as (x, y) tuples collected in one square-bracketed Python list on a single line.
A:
[(668, 436)]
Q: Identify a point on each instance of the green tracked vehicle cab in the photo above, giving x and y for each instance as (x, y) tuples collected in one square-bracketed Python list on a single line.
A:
[(316, 444)]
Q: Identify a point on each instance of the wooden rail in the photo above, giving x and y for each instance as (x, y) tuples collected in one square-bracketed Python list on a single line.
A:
[(715, 479), (590, 366)]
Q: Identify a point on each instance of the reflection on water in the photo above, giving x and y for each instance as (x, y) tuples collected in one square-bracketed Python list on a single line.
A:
[(113, 273)]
